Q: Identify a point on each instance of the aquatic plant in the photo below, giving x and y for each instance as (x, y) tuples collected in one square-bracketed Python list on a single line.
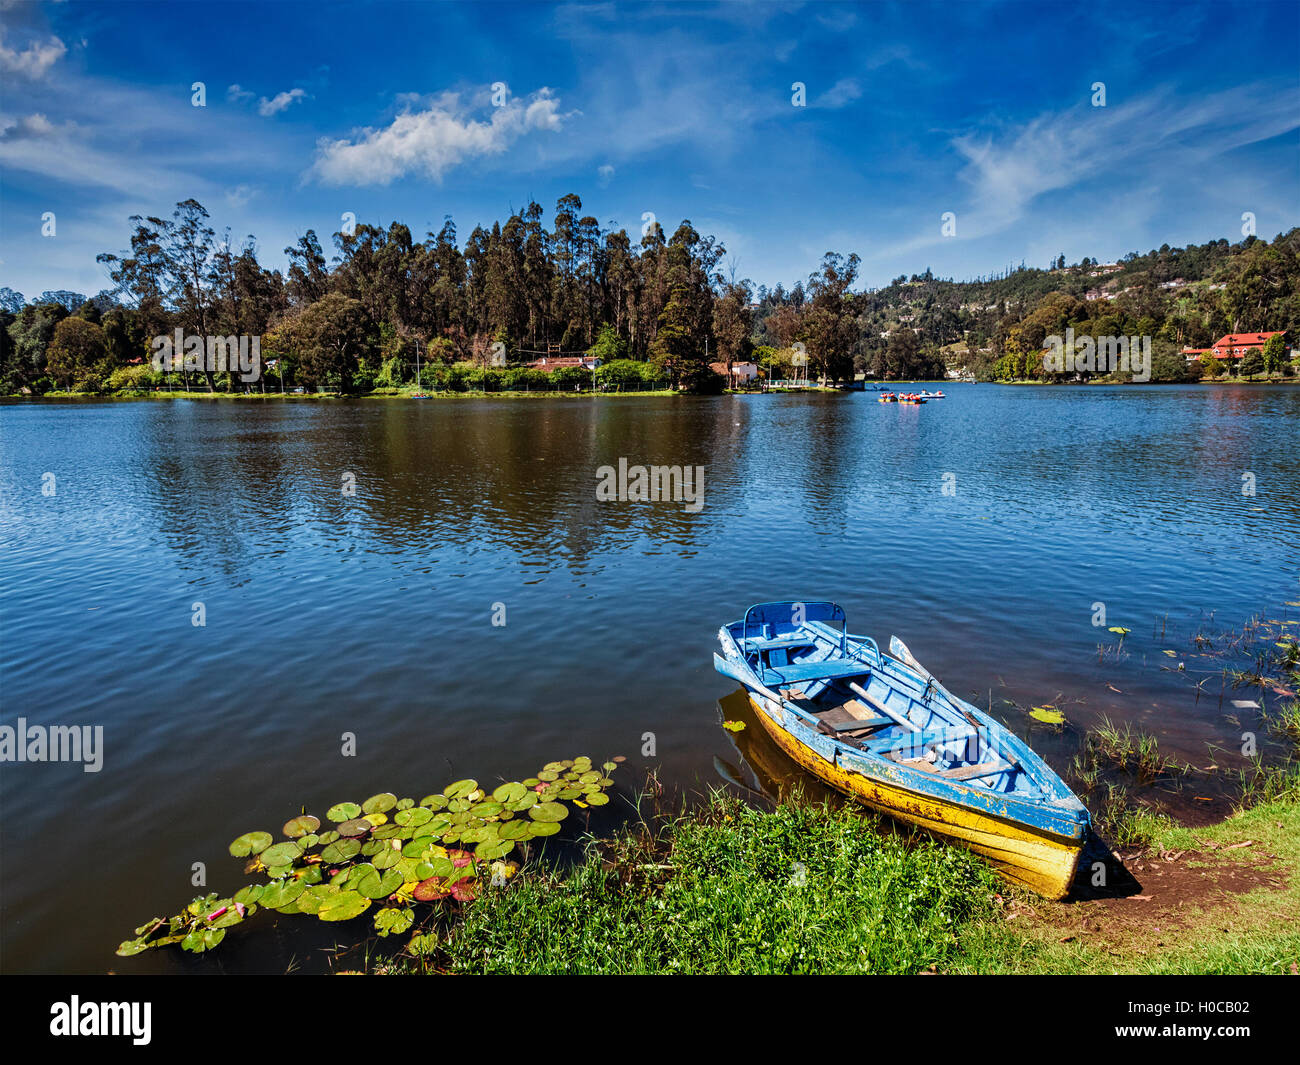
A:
[(389, 854)]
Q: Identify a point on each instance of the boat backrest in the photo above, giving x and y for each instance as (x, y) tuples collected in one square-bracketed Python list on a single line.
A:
[(774, 619)]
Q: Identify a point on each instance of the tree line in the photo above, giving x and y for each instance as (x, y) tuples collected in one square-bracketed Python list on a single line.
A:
[(658, 310)]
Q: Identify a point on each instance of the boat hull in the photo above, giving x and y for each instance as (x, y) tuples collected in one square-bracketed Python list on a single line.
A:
[(1043, 862)]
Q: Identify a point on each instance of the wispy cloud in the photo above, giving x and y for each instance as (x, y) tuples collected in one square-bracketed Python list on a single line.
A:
[(279, 102), (1007, 170), (34, 61), (432, 139)]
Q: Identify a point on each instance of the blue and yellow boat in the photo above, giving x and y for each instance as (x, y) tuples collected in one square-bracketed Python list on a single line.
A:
[(883, 730)]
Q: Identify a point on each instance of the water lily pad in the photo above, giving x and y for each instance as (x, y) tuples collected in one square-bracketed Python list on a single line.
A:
[(386, 858), (343, 811), (281, 854), (492, 849), (436, 801), (423, 944), (131, 946), (598, 798), (250, 894), (460, 789), (358, 826), (250, 843), (376, 883), (202, 939), (1048, 714), (341, 850), (417, 815), (549, 811), (343, 906), (508, 793), (394, 921), (281, 893), (299, 826), (379, 804), (544, 828)]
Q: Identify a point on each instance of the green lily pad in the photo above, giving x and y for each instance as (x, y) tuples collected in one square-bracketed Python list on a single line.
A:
[(598, 798), (202, 939), (376, 883), (358, 826), (549, 811), (417, 815), (379, 804), (394, 921), (281, 854), (250, 894), (544, 828), (250, 843), (281, 893), (460, 789), (1048, 714), (343, 906), (422, 945), (508, 793), (436, 801), (131, 946), (341, 850), (343, 811), (490, 850)]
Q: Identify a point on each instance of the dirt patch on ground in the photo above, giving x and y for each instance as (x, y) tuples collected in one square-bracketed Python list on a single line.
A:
[(1150, 896)]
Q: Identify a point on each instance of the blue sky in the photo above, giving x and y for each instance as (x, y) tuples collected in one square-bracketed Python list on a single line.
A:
[(683, 110)]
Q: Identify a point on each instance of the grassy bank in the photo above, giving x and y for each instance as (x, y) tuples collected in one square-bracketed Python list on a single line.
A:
[(804, 888), (734, 889)]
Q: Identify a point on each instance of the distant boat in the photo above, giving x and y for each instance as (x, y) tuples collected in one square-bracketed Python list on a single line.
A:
[(883, 730), (911, 397), (931, 395), (887, 397)]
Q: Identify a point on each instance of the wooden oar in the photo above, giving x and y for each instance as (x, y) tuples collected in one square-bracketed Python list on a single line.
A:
[(879, 704)]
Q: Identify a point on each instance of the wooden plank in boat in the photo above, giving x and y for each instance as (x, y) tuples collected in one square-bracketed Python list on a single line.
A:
[(855, 723), (971, 772)]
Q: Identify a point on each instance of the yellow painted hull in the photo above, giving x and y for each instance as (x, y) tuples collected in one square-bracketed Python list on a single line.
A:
[(1042, 862)]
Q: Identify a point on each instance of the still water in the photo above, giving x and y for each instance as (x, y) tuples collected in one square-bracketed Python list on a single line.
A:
[(983, 529)]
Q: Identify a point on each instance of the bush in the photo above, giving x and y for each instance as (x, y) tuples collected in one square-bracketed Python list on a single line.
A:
[(134, 379)]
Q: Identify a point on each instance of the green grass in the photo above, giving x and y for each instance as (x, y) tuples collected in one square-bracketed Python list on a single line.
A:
[(733, 889)]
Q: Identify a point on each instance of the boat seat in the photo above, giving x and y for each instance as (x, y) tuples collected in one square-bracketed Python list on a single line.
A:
[(859, 722), (781, 675), (754, 644), (974, 772), (941, 736)]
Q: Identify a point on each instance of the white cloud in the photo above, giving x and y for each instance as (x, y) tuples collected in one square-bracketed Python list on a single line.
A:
[(843, 92), (431, 141), (266, 108), (239, 195), (236, 94), (604, 175), (35, 60)]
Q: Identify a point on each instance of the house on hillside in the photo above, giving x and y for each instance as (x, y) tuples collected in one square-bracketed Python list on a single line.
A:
[(1232, 346)]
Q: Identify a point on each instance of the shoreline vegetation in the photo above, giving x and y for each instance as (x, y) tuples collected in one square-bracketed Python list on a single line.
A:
[(797, 884), (520, 306), (797, 879), (555, 393)]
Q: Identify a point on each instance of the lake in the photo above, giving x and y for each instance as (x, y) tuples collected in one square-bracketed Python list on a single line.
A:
[(351, 558)]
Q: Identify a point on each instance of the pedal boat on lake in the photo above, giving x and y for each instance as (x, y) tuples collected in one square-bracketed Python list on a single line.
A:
[(883, 730)]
